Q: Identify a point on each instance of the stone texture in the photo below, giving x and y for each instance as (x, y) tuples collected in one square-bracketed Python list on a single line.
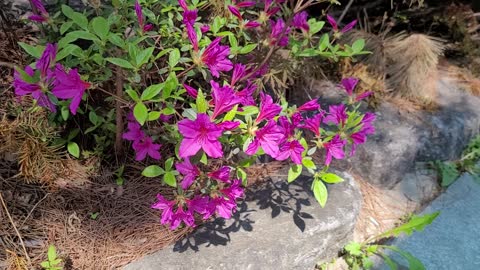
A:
[(451, 241), (405, 137), (279, 226)]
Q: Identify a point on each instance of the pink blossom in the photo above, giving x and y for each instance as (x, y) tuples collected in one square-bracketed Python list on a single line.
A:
[(134, 132), (167, 208), (268, 138), (235, 11), (140, 19), (367, 123), (215, 57), (200, 134), (349, 85), (191, 91), (205, 28), (42, 15), (189, 18), (337, 114), (246, 95), (268, 109), (183, 4), (252, 24), (182, 215), (311, 105), (239, 71), (293, 150), (47, 60), (223, 206), (229, 125), (334, 24), (144, 147), (200, 204), (363, 96), (222, 174), (245, 4), (189, 172), (23, 88), (334, 148), (300, 21), (69, 86), (313, 124), (287, 127), (279, 34), (224, 99), (234, 191)]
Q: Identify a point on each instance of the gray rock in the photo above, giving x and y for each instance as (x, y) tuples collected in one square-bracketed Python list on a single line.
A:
[(451, 241), (279, 226)]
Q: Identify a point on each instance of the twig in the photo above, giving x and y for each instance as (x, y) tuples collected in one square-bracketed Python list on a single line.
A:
[(117, 98), (35, 206), (16, 230), (347, 7), (118, 111), (6, 64)]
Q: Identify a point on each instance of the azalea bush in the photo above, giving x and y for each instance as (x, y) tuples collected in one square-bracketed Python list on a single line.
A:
[(182, 86)]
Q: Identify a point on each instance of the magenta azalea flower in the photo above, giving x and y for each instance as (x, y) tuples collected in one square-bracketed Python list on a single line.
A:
[(223, 206), (229, 125), (367, 122), (268, 138), (337, 114), (69, 86), (252, 24), (205, 28), (311, 105), (42, 14), (300, 21), (287, 127), (224, 99), (268, 109), (235, 11), (183, 4), (200, 205), (222, 174), (334, 25), (334, 148), (144, 147), (189, 171), (239, 71), (140, 19), (191, 91), (134, 132), (363, 96), (349, 85), (167, 208), (279, 34), (215, 57), (313, 124), (293, 150), (246, 95), (23, 88), (200, 134), (234, 191), (47, 60), (182, 215)]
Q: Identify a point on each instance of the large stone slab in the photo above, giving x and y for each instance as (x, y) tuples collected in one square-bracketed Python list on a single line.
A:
[(451, 242), (279, 226), (406, 136)]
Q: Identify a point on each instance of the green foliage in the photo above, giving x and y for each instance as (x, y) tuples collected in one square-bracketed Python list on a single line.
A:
[(358, 255), (450, 171), (52, 262)]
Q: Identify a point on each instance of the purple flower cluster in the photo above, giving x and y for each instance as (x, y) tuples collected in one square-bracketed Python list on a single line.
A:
[(41, 14), (142, 144), (53, 79), (140, 18)]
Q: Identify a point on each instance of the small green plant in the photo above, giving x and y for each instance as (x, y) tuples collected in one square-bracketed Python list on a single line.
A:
[(52, 262), (358, 255), (450, 171)]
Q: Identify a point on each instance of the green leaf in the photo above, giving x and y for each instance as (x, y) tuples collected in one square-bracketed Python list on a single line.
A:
[(93, 117), (308, 163), (358, 45), (248, 110), (133, 95), (76, 17), (320, 192), (231, 114), (151, 91), (170, 84), (294, 172), (247, 48), (201, 102), (65, 112), (169, 164), (324, 42), (153, 171), (416, 223), (35, 51), (65, 26), (354, 249), (413, 263), (204, 159), (389, 262), (120, 62), (242, 175), (51, 253), (66, 51), (101, 27), (169, 179), (152, 116), (116, 40), (448, 172), (315, 26), (45, 265), (174, 57), (73, 149), (331, 178), (144, 56), (140, 111), (72, 36)]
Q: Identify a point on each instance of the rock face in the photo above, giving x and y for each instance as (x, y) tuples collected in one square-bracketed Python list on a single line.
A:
[(279, 226), (451, 241), (404, 138)]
